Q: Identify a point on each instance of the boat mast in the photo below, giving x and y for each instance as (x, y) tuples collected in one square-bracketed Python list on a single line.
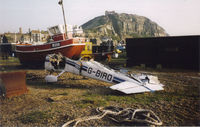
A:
[(65, 25)]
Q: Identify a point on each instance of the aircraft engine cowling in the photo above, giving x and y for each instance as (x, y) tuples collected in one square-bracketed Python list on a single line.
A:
[(54, 62)]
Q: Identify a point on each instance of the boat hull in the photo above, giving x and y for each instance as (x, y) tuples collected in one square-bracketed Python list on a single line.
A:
[(36, 54)]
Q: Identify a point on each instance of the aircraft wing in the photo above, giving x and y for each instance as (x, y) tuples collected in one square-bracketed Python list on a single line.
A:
[(130, 87)]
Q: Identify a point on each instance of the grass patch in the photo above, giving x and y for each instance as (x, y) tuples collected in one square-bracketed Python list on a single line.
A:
[(96, 102), (90, 99), (9, 60), (65, 93), (142, 98), (35, 117)]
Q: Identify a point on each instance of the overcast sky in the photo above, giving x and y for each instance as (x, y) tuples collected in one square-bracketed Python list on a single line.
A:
[(177, 17)]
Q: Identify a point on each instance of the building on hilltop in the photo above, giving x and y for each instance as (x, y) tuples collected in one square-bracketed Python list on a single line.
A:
[(109, 12)]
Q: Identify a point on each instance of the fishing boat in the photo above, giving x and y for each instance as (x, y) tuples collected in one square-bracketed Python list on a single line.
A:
[(36, 53), (60, 42)]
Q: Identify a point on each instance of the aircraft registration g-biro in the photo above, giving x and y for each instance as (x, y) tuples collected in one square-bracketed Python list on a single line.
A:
[(126, 83)]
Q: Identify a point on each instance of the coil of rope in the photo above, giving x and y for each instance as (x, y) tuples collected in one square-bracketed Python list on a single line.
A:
[(121, 115)]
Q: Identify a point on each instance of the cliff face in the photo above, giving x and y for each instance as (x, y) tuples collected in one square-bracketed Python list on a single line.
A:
[(120, 26)]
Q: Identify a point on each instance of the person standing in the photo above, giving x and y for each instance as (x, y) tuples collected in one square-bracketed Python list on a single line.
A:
[(4, 48), (5, 40)]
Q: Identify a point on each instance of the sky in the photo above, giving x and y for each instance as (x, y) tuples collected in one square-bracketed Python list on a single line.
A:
[(177, 17)]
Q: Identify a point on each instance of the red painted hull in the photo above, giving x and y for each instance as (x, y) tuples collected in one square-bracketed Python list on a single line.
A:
[(35, 54)]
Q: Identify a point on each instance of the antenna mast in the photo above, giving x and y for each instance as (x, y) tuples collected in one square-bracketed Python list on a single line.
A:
[(65, 25)]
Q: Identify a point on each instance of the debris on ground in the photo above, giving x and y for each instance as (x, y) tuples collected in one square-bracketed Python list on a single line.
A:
[(142, 116), (13, 83)]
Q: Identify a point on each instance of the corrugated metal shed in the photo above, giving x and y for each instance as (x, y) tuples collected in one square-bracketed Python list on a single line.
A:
[(180, 52)]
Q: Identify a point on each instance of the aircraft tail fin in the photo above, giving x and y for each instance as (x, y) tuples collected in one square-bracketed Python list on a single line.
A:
[(130, 87)]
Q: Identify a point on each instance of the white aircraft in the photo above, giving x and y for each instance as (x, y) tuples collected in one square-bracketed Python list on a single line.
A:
[(126, 83)]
